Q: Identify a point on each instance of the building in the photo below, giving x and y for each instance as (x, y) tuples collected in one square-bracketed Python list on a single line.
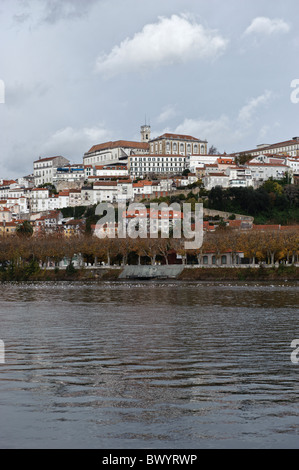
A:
[(197, 160), (112, 171), (8, 228), (145, 133), (75, 197), (261, 172), (44, 169), (177, 144), (68, 174), (288, 147), (160, 165), (215, 179), (113, 152), (107, 191)]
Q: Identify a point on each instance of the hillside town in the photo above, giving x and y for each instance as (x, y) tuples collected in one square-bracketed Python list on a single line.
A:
[(168, 167)]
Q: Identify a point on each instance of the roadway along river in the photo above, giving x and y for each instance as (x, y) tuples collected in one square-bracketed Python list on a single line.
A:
[(137, 365)]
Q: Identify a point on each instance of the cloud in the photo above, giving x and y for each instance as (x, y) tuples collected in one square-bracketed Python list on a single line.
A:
[(166, 114), (227, 132), (67, 9), (52, 11), (247, 112), (72, 142), (169, 41), (204, 129), (263, 25), (222, 132)]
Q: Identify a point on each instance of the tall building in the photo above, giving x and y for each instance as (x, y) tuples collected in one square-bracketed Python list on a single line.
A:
[(145, 133), (44, 169)]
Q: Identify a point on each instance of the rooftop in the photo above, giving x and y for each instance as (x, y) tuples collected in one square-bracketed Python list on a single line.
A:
[(177, 137), (118, 144)]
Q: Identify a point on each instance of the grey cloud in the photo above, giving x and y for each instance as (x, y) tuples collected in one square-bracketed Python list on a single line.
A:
[(56, 10), (18, 94), (52, 11)]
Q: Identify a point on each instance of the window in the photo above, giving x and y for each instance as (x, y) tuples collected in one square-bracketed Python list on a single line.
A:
[(205, 260), (223, 259)]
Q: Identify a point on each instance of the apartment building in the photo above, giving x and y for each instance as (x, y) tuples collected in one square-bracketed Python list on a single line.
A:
[(45, 168), (212, 180), (140, 166), (263, 171), (107, 191)]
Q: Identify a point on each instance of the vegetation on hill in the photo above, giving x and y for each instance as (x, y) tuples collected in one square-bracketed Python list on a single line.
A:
[(275, 202)]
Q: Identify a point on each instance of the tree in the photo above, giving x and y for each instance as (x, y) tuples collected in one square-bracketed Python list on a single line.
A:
[(213, 151), (242, 159), (25, 229), (52, 189)]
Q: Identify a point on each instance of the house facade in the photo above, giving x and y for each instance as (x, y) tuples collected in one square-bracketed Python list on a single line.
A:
[(177, 144), (44, 169)]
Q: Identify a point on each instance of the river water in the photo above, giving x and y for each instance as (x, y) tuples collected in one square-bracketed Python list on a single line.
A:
[(140, 365)]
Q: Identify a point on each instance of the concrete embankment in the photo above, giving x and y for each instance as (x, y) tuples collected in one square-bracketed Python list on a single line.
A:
[(174, 272)]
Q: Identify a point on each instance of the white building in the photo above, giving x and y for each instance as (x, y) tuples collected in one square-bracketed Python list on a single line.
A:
[(140, 166), (113, 152), (44, 169), (288, 147), (42, 200), (197, 160), (39, 200), (6, 186), (293, 163), (111, 171), (68, 174), (239, 177), (215, 179), (75, 197), (107, 191), (263, 171)]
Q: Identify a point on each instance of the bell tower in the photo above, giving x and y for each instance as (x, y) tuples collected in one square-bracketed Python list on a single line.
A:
[(145, 133)]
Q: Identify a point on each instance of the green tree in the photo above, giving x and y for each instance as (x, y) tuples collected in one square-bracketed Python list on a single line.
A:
[(25, 229)]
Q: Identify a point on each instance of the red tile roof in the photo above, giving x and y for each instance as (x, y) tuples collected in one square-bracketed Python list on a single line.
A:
[(119, 143), (177, 137), (46, 159)]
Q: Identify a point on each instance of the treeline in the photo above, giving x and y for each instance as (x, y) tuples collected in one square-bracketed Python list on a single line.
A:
[(30, 254), (274, 202)]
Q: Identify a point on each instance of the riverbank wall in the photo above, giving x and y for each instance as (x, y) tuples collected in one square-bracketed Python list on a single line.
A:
[(171, 272)]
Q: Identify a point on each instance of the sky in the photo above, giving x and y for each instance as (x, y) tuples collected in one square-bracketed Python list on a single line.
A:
[(76, 73)]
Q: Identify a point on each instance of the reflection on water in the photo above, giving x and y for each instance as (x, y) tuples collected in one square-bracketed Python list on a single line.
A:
[(149, 365)]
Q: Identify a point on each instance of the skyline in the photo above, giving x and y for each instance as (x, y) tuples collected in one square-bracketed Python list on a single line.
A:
[(77, 74)]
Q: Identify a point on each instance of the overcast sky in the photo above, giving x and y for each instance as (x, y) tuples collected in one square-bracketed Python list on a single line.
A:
[(82, 72)]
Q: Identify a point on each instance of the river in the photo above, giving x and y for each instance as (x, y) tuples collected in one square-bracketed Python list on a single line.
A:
[(134, 365)]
